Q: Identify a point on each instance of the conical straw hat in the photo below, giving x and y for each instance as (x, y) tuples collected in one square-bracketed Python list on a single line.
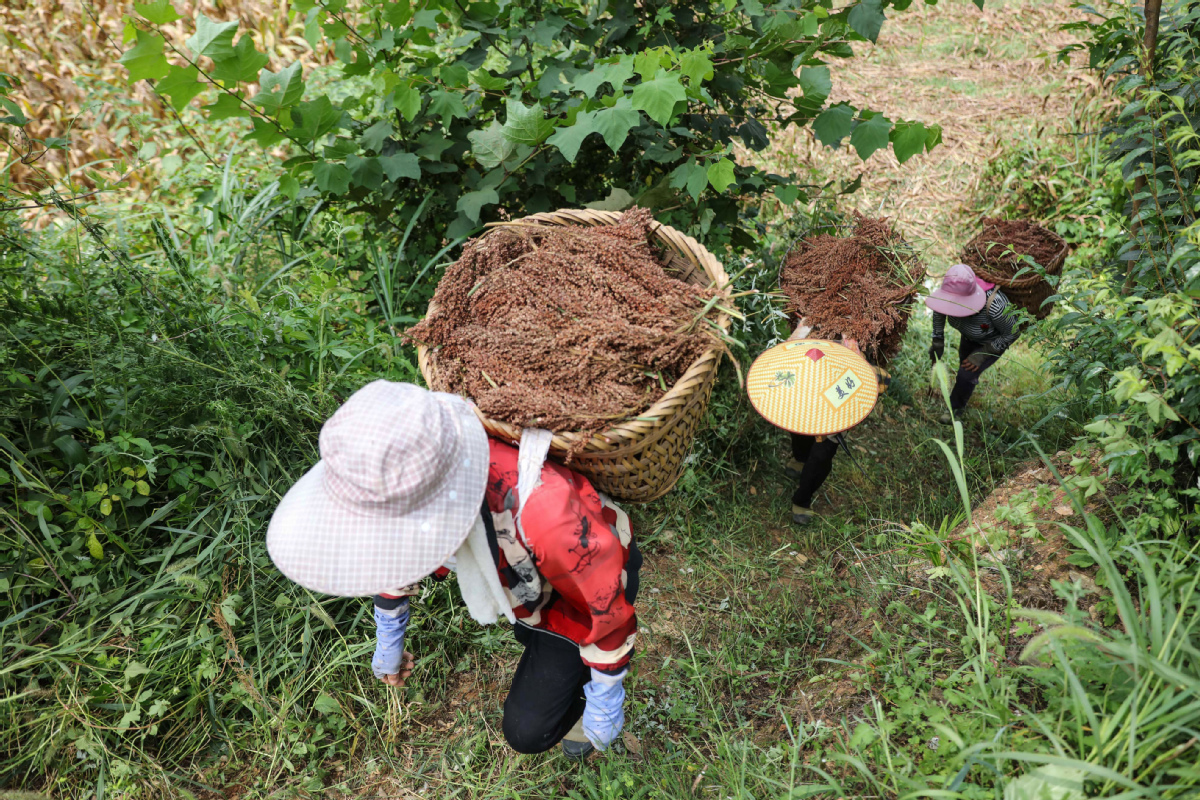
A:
[(812, 386)]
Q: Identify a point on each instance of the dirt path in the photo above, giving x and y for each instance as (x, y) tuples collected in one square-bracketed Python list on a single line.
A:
[(990, 78)]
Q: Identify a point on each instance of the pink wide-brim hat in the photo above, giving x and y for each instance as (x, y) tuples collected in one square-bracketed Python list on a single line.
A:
[(399, 486), (960, 294)]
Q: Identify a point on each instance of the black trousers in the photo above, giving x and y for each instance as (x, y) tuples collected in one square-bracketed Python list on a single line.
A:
[(966, 380), (818, 461), (546, 697)]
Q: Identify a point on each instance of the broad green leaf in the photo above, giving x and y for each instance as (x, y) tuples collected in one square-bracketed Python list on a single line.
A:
[(433, 145), (313, 119), (649, 63), (933, 136), (15, 115), (278, 90), (568, 139), (159, 12), (265, 134), (182, 84), (866, 19), (870, 135), (471, 202), (833, 124), (697, 66), (908, 139), (365, 172), (615, 123), (615, 75), (455, 76), (146, 60), (400, 165), (697, 182), (228, 106), (753, 7), (617, 200), (720, 174), (212, 39), (243, 65), (374, 137), (491, 147), (488, 82), (526, 125), (787, 194), (94, 547), (324, 704), (332, 177), (407, 101), (447, 105), (816, 85), (659, 96)]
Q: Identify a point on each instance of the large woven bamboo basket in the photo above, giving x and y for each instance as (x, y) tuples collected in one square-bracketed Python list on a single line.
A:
[(640, 459), (1028, 291)]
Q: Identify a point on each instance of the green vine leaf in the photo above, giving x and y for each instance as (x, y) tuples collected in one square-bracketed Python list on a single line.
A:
[(145, 61), (227, 106), (332, 177), (491, 147), (613, 124), (866, 19), (471, 202), (816, 85), (870, 134), (833, 124), (401, 165), (279, 90), (720, 175), (182, 84), (374, 137), (212, 39), (407, 100), (243, 65), (527, 126), (908, 139), (159, 12), (659, 96), (365, 172), (447, 105), (615, 75), (313, 119), (696, 66)]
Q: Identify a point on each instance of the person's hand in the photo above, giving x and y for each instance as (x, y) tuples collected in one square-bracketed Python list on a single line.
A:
[(937, 350), (851, 344), (975, 361), (407, 663)]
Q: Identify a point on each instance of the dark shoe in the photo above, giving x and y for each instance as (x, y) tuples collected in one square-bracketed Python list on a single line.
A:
[(575, 745), (802, 515), (793, 469)]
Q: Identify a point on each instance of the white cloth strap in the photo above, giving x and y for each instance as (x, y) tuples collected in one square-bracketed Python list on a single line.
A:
[(478, 579), (531, 457)]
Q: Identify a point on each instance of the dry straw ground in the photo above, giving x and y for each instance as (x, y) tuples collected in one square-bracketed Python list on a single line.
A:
[(990, 78)]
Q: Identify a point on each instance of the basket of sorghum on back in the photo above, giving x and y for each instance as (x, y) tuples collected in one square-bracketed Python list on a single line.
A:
[(1004, 253), (861, 286), (604, 328)]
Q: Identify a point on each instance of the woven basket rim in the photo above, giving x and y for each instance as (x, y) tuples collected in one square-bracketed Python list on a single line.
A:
[(1024, 282), (624, 434)]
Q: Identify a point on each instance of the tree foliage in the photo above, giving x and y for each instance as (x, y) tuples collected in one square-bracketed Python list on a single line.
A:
[(527, 107)]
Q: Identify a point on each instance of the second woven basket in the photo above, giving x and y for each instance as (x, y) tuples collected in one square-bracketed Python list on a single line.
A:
[(640, 459)]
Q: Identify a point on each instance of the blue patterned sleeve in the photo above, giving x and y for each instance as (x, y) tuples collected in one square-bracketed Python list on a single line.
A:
[(391, 621)]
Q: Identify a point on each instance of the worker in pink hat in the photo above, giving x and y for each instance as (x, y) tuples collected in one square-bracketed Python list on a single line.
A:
[(983, 316), (410, 485)]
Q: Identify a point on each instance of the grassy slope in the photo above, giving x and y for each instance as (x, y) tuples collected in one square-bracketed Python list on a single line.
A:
[(741, 612)]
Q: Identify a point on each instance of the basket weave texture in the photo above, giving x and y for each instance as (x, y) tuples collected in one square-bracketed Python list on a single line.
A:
[(640, 459), (1028, 291)]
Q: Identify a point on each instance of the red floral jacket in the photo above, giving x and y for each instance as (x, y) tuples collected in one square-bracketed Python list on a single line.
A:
[(570, 567)]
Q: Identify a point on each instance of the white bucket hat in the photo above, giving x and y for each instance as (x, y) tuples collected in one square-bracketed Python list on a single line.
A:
[(398, 488)]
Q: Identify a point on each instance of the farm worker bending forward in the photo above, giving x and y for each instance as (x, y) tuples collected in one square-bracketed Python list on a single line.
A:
[(979, 311), (812, 456), (408, 481)]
